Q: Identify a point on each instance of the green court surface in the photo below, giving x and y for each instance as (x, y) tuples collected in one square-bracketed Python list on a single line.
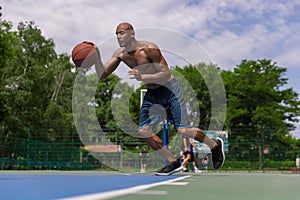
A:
[(225, 186)]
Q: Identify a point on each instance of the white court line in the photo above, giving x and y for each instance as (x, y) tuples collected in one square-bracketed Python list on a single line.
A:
[(178, 183), (116, 193), (153, 192)]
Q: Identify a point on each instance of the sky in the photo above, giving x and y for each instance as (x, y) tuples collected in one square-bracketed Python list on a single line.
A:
[(229, 31)]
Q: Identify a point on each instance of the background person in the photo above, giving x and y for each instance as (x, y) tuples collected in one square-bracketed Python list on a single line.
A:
[(144, 155), (189, 156), (205, 161)]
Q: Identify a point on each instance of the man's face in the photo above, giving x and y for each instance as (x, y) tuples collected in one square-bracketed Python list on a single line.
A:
[(123, 35)]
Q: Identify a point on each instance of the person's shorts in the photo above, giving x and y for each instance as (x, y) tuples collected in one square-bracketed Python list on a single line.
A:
[(144, 160), (165, 102), (192, 158)]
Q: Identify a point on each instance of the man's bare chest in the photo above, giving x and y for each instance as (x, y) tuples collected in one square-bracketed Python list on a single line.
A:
[(136, 59)]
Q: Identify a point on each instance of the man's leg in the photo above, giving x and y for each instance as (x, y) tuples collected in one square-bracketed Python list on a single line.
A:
[(198, 135), (185, 161), (156, 144)]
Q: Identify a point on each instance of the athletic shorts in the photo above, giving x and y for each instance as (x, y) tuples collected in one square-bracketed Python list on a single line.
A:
[(192, 158), (165, 102), (144, 160)]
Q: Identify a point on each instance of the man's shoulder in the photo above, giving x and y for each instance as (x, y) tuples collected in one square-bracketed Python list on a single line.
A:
[(118, 53), (147, 44)]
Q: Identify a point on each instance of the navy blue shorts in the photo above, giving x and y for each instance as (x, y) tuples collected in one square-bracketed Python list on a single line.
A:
[(165, 102)]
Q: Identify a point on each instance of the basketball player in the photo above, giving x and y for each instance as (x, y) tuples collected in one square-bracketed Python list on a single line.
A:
[(147, 64)]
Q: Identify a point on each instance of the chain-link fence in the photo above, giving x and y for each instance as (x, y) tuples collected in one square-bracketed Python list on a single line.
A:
[(71, 154)]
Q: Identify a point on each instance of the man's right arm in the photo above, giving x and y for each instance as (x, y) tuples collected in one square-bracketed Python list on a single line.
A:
[(104, 70)]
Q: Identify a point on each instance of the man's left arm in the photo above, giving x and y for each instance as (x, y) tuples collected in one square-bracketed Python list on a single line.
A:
[(162, 72)]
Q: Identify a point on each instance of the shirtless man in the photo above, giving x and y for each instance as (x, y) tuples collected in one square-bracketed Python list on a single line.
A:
[(147, 64)]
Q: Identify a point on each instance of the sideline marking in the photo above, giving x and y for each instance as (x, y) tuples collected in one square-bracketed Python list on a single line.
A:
[(116, 193), (153, 192), (178, 183)]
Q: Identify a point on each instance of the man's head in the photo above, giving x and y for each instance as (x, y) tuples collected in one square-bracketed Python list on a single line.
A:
[(125, 33)]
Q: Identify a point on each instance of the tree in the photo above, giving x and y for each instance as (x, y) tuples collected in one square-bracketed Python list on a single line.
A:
[(257, 101), (36, 83), (7, 38)]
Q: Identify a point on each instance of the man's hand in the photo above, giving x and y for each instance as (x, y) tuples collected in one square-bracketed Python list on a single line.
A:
[(135, 74)]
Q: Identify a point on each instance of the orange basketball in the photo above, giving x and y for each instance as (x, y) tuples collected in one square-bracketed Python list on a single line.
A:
[(84, 55)]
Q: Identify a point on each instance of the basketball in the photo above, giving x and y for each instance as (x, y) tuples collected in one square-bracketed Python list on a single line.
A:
[(84, 55)]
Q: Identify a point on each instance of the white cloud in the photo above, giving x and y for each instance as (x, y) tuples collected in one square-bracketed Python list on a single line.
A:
[(230, 31), (231, 24), (296, 133)]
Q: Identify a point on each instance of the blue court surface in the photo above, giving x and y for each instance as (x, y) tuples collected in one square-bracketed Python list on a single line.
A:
[(60, 186)]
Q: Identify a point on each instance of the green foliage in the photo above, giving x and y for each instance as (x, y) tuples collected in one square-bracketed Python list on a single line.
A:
[(36, 83), (256, 97), (7, 39), (257, 101)]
